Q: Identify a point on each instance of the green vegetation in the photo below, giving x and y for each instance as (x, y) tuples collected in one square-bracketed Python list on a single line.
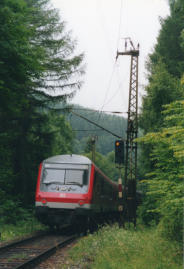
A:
[(35, 78), (165, 71), (21, 228), (165, 182), (38, 68), (116, 248), (105, 141), (106, 164), (39, 73), (162, 121)]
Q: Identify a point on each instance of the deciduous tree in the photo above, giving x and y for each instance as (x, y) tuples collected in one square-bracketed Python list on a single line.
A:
[(165, 181)]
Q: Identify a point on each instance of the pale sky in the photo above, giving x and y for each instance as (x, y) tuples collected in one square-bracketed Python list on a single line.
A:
[(99, 27)]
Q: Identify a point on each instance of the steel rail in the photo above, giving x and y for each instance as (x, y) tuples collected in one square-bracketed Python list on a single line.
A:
[(20, 241), (30, 251), (31, 263)]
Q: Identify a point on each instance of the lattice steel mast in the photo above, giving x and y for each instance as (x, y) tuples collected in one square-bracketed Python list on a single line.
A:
[(129, 195)]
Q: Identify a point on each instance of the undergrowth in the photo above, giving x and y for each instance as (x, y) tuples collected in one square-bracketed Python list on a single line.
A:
[(115, 248), (21, 228)]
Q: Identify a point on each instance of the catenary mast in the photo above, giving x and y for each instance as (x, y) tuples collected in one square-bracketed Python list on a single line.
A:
[(129, 193)]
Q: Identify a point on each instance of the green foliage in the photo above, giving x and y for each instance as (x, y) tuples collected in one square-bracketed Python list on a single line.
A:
[(26, 225), (182, 39), (165, 182), (168, 48), (60, 68), (146, 211), (105, 141), (165, 76), (115, 248), (106, 164), (162, 122), (62, 135), (89, 145), (12, 211), (38, 67), (162, 89)]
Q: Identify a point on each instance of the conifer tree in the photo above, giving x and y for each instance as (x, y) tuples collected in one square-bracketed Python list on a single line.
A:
[(38, 67)]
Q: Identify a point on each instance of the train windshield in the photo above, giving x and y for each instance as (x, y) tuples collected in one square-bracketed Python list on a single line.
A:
[(65, 176), (76, 177), (53, 176)]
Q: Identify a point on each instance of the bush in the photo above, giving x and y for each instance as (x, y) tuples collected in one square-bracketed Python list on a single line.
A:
[(11, 212), (165, 182), (20, 229), (172, 227)]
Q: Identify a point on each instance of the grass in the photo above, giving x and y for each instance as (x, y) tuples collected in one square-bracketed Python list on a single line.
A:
[(115, 248), (20, 229)]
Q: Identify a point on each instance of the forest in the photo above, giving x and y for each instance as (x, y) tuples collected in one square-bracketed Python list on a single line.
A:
[(105, 140), (162, 121), (40, 73)]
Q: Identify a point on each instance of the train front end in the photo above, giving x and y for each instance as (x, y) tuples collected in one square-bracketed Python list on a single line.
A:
[(63, 190)]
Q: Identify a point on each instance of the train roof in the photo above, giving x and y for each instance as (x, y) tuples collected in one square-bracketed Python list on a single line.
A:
[(69, 158)]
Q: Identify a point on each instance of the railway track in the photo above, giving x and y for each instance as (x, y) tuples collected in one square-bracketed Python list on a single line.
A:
[(28, 253)]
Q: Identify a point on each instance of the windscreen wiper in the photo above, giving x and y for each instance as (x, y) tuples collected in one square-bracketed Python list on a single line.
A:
[(54, 182), (74, 183)]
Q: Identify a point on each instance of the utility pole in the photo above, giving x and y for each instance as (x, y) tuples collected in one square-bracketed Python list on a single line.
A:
[(129, 193), (93, 144), (119, 160)]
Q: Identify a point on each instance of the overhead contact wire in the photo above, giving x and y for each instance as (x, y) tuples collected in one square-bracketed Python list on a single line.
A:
[(107, 91), (110, 81)]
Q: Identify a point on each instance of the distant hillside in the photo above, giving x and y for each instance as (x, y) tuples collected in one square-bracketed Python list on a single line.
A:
[(83, 129)]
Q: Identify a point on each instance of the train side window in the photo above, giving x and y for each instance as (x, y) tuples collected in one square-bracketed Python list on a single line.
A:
[(85, 177)]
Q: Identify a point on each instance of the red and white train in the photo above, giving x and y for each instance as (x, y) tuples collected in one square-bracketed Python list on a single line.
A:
[(71, 189)]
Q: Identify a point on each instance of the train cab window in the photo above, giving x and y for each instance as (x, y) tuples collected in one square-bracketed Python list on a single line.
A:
[(53, 176), (78, 177)]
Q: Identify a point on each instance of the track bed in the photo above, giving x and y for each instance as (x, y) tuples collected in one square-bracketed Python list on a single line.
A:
[(28, 253)]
